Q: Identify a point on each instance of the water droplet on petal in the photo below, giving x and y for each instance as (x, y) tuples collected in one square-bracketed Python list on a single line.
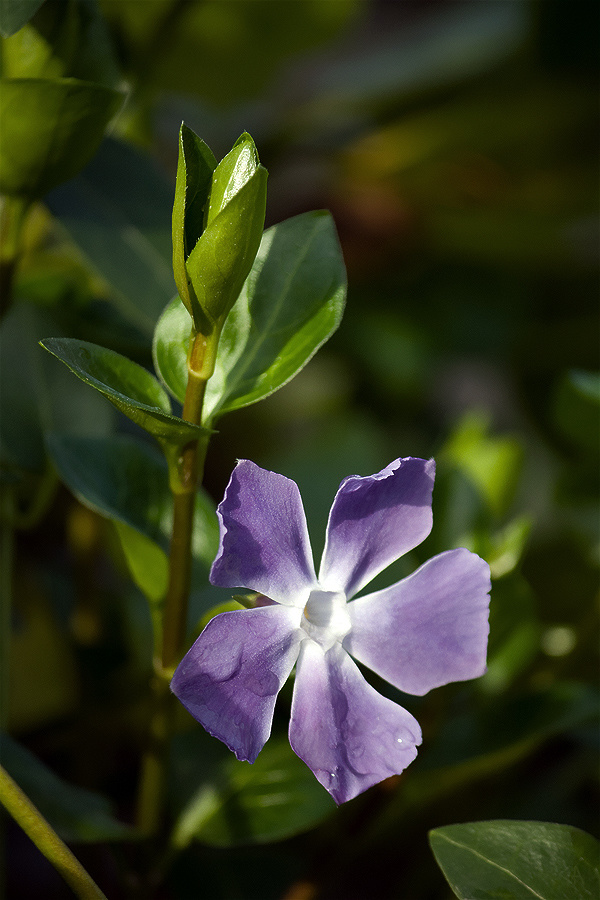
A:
[(263, 685)]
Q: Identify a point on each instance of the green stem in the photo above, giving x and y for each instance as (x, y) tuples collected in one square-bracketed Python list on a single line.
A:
[(184, 483), (185, 475), (46, 840)]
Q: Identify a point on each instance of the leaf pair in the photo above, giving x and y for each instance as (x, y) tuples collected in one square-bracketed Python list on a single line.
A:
[(218, 219), (290, 304)]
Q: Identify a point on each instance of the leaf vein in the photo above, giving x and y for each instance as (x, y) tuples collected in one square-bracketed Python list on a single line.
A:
[(492, 863)]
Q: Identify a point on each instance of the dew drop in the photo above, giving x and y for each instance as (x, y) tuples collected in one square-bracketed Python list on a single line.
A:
[(264, 685)]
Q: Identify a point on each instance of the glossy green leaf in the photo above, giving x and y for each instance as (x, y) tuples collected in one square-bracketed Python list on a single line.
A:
[(195, 168), (232, 802), (50, 130), (291, 303), (231, 174), (518, 860), (130, 387), (16, 13), (118, 212), (74, 813), (126, 480), (170, 347)]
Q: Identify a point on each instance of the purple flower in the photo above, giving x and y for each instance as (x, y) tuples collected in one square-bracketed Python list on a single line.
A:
[(424, 631)]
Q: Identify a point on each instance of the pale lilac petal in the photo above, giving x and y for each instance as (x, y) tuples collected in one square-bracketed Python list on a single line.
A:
[(374, 521), (429, 629), (231, 676), (264, 539), (348, 734)]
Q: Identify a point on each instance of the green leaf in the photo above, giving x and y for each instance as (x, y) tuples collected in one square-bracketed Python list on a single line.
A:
[(130, 387), (195, 168), (74, 813), (147, 562), (493, 464), (517, 860), (170, 348), (117, 211), (507, 546), (118, 476), (291, 303), (37, 394), (127, 481), (63, 40), (230, 176), (234, 802), (50, 130), (16, 13)]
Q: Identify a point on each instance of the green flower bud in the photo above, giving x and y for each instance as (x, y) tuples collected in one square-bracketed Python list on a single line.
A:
[(195, 168), (218, 256)]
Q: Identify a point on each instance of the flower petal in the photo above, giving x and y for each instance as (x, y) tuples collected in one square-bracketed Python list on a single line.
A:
[(429, 629), (374, 521), (264, 539), (348, 734), (231, 676)]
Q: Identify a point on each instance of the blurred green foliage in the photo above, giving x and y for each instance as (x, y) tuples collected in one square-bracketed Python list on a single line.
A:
[(456, 147)]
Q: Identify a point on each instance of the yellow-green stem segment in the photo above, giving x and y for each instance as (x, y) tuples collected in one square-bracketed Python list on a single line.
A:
[(46, 839)]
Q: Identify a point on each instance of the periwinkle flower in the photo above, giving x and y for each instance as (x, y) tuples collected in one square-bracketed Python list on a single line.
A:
[(422, 632)]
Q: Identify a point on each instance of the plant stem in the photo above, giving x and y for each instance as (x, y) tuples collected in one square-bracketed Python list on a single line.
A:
[(185, 476), (184, 484), (46, 840)]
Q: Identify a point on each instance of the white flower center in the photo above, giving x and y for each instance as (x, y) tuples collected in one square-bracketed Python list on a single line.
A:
[(326, 618)]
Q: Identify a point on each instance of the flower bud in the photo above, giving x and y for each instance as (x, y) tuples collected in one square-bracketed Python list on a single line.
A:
[(218, 258)]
